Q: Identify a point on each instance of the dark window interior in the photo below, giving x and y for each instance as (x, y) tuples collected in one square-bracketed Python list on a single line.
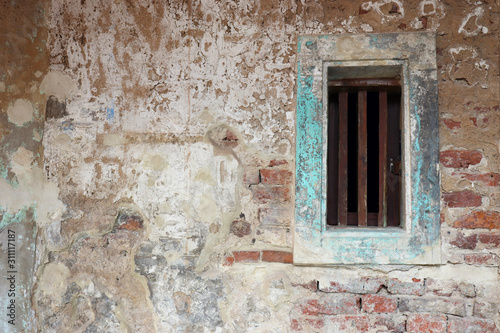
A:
[(364, 153)]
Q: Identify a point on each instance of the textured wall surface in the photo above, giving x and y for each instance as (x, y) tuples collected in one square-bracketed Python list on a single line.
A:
[(149, 146)]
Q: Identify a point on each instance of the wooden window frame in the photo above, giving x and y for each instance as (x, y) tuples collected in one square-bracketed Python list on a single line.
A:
[(417, 241)]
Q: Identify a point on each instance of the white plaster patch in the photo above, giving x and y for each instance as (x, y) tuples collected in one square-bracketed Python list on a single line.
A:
[(114, 140), (33, 188), (20, 112), (21, 160), (57, 84), (2, 86), (54, 279), (477, 13), (376, 6)]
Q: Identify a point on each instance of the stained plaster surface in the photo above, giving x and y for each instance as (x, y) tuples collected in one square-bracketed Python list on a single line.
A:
[(139, 186)]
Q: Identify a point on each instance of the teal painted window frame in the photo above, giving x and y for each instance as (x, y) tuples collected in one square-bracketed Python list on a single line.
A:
[(418, 240)]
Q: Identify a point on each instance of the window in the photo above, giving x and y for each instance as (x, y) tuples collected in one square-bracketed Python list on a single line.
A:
[(367, 181), (364, 151)]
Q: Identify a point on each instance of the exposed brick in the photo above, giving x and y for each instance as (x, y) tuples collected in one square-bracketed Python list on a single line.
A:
[(229, 261), (128, 220), (485, 309), (275, 177), (489, 240), (277, 256), (489, 179), (307, 324), (276, 162), (246, 256), (460, 158), (440, 287), (313, 285), (251, 176), (310, 307), (479, 219), (467, 289), (364, 285), (240, 228), (330, 304), (426, 323), (471, 325), (264, 194), (452, 124), (379, 304), (230, 136), (389, 322), (334, 304), (274, 217), (454, 307), (486, 259), (414, 287), (348, 323), (463, 242), (462, 199)]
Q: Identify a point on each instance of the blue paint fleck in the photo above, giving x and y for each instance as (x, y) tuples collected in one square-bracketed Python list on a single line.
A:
[(67, 126), (110, 113)]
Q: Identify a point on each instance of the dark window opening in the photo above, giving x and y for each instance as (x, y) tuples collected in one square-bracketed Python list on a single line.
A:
[(364, 152)]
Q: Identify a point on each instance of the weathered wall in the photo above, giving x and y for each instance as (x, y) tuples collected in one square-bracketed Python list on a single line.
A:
[(25, 194), (166, 198)]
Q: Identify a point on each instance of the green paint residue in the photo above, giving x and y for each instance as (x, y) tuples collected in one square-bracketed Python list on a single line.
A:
[(309, 152), (18, 217)]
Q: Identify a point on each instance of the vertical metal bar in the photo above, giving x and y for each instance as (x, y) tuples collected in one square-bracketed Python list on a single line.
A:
[(342, 197), (382, 150), (362, 158)]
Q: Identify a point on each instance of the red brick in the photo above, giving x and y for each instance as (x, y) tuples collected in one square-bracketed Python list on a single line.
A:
[(426, 323), (379, 304), (307, 324), (482, 259), (310, 307), (489, 179), (271, 194), (330, 304), (246, 256), (467, 289), (479, 219), (313, 285), (460, 158), (452, 124), (453, 306), (490, 240), (349, 323), (471, 325), (230, 136), (240, 228), (277, 256), (440, 287), (388, 322), (131, 223), (462, 242), (485, 309), (414, 287), (364, 285), (229, 261), (274, 217), (251, 177), (275, 177), (276, 162), (462, 199)]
